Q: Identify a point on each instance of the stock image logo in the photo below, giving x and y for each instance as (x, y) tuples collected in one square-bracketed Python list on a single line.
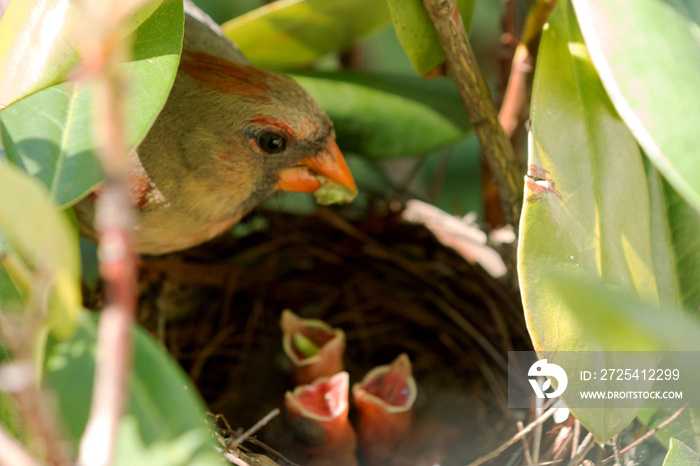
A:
[(544, 369)]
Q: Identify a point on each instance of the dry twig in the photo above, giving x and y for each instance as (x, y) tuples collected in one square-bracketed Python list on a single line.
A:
[(526, 446), (515, 101), (644, 437), (547, 414), (258, 425), (583, 450), (20, 378)]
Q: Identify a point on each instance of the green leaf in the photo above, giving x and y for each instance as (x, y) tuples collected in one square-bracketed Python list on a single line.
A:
[(50, 134), (294, 33), (647, 53), (9, 294), (9, 415), (600, 227), (162, 403), (680, 455), (417, 34), (382, 116), (621, 322), (675, 230), (179, 451), (43, 240), (684, 428), (36, 48), (9, 411)]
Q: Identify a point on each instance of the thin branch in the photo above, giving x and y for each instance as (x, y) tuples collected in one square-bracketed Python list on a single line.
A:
[(560, 447), (233, 458), (583, 450), (537, 436), (103, 54), (577, 435), (476, 97), (258, 425), (547, 414), (509, 40), (526, 446), (514, 107), (21, 376), (644, 437), (615, 441)]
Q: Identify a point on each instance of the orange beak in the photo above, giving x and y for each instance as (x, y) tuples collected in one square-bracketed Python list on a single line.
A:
[(328, 163)]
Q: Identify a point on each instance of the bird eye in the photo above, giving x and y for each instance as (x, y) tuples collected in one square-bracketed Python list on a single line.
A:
[(271, 142)]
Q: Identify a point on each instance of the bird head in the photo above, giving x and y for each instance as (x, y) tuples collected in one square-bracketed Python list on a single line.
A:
[(231, 134)]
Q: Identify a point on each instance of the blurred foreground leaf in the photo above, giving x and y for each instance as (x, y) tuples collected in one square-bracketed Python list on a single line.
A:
[(35, 44), (294, 33), (50, 134), (647, 53), (42, 240), (383, 116), (417, 34), (9, 294), (164, 423), (9, 411), (621, 321)]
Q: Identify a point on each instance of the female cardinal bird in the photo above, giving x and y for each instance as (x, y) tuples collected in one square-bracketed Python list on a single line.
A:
[(228, 136)]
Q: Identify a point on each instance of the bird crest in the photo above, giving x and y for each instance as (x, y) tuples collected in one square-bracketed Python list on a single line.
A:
[(224, 75)]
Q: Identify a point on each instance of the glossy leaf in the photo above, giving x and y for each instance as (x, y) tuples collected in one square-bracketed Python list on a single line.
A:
[(417, 34), (620, 321), (294, 33), (675, 229), (50, 134), (43, 240), (165, 415), (384, 116), (600, 227), (36, 48), (647, 53), (623, 322), (679, 454)]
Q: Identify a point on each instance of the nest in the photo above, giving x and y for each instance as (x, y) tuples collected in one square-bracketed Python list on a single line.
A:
[(390, 285)]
